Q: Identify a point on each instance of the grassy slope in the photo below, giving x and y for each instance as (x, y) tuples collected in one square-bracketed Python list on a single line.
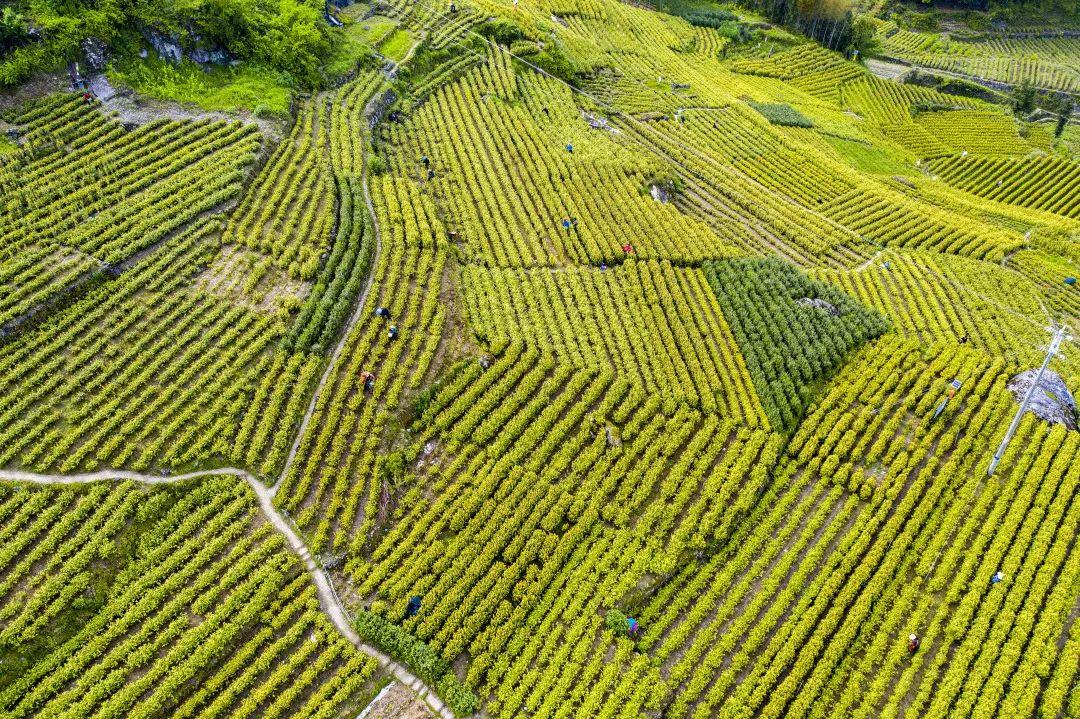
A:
[(244, 87)]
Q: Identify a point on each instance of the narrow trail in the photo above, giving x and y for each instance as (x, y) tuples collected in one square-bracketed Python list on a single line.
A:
[(988, 83), (358, 311), (869, 262), (329, 600)]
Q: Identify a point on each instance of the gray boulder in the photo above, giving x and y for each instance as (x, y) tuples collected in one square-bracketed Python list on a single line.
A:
[(818, 304), (1051, 401), (168, 48), (203, 56), (95, 54), (100, 86)]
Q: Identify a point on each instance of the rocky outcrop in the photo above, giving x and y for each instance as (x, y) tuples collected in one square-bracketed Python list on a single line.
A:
[(95, 54), (102, 89), (378, 107), (1051, 401), (203, 56), (171, 48), (819, 304), (167, 48)]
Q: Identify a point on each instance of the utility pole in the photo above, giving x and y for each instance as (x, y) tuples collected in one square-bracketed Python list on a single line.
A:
[(1059, 335)]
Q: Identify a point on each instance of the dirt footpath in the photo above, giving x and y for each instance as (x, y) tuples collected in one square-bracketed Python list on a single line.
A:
[(887, 70), (35, 87), (133, 109)]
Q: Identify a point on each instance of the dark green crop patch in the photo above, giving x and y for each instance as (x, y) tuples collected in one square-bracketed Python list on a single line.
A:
[(779, 113)]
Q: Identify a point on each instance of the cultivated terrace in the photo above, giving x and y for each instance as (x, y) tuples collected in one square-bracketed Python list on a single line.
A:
[(544, 358)]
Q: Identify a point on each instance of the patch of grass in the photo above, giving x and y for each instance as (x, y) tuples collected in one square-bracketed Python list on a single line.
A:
[(357, 40), (373, 30), (779, 113), (230, 89), (396, 45), (1069, 143), (347, 56), (7, 146), (870, 159)]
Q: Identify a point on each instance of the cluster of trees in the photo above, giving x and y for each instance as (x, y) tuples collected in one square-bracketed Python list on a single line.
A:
[(788, 348), (290, 36), (1026, 99), (287, 35), (45, 34), (14, 30), (831, 22), (1002, 9), (425, 661)]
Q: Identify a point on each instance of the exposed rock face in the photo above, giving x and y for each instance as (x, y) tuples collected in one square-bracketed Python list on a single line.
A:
[(210, 57), (660, 194), (1051, 400), (95, 54), (168, 48), (378, 106), (819, 304)]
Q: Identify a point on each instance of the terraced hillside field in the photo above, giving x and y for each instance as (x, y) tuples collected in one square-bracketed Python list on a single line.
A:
[(561, 359), (1045, 57)]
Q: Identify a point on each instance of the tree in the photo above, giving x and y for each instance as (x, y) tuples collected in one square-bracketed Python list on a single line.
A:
[(1065, 110), (13, 29), (863, 35), (1024, 98)]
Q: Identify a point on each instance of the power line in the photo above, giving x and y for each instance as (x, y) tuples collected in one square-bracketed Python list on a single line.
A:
[(1055, 343)]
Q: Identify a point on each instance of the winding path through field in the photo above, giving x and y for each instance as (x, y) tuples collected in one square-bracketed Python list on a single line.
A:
[(328, 598), (361, 302)]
